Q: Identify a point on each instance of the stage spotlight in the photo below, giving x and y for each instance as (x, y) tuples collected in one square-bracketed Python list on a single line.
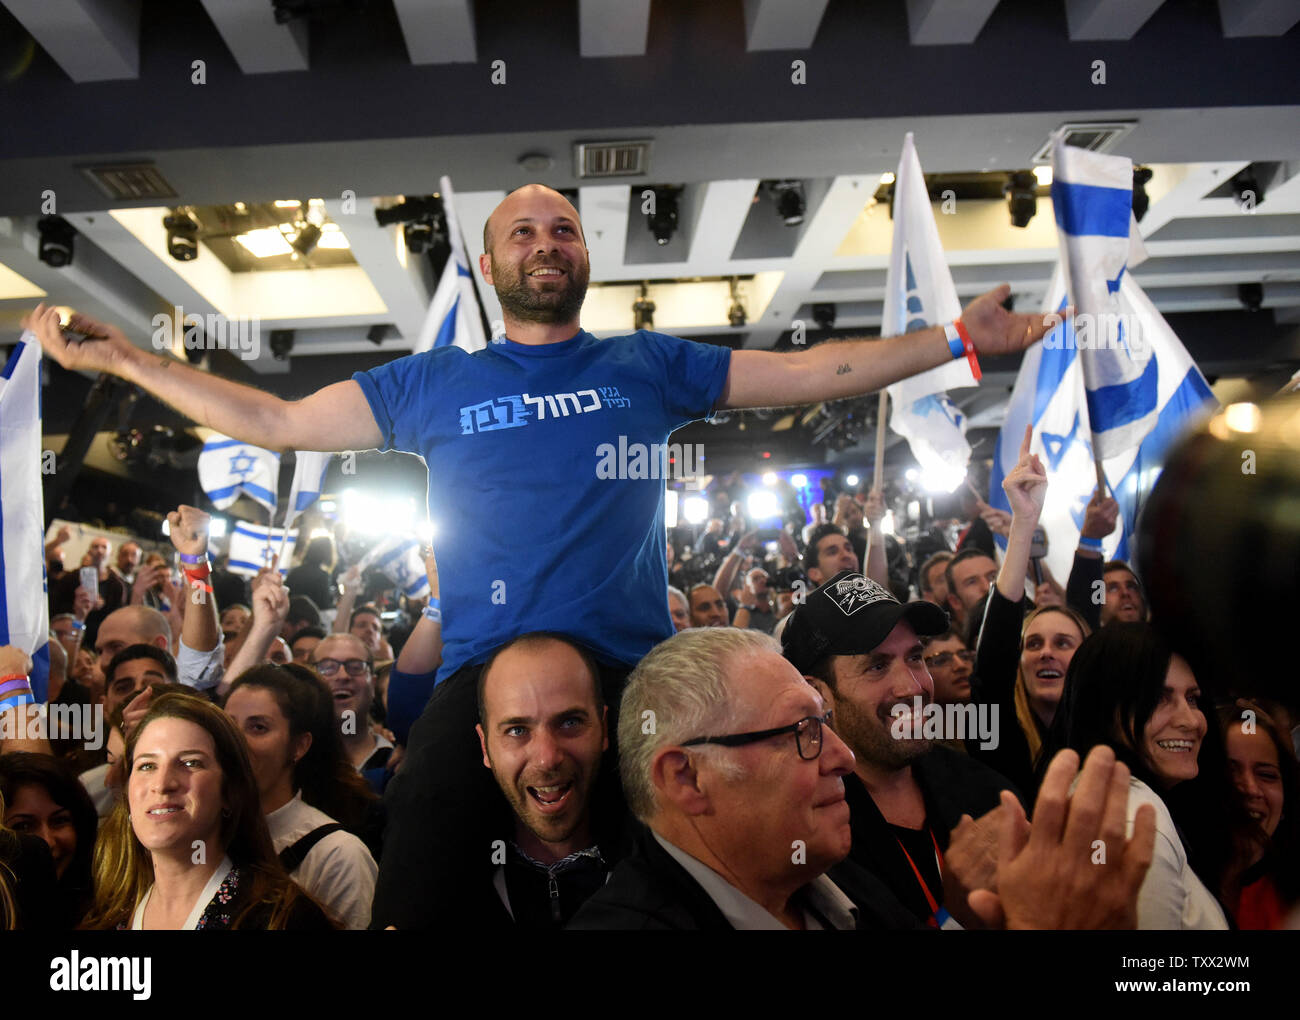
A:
[(182, 235), (55, 244), (1251, 296), (409, 210), (1022, 197), (662, 218), (643, 310), (790, 204), (418, 236), (305, 242), (769, 477), (762, 506), (851, 481), (736, 313), (799, 481), (281, 344), (824, 316), (695, 509), (1141, 203)]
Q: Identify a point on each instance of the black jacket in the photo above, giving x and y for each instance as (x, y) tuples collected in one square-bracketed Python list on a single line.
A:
[(649, 890), (997, 660), (953, 785)]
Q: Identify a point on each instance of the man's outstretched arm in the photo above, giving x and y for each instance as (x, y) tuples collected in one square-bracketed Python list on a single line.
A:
[(850, 368), (337, 417)]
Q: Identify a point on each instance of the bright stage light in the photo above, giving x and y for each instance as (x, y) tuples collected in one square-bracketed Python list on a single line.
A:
[(695, 509), (762, 506), (769, 478), (366, 514), (670, 508), (799, 481), (851, 480), (217, 527), (887, 523), (941, 478), (319, 533), (911, 474), (328, 506)]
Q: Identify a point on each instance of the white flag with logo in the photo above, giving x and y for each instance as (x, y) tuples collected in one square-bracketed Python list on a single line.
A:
[(254, 546), (919, 292)]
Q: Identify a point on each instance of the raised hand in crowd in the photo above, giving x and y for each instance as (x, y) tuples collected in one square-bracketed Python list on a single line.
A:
[(349, 589), (1074, 867), (1100, 518), (999, 521), (971, 862), (1026, 489), (270, 610), (15, 663)]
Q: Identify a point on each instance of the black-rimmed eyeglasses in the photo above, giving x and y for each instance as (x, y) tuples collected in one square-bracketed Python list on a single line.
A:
[(942, 659), (353, 667), (807, 734)]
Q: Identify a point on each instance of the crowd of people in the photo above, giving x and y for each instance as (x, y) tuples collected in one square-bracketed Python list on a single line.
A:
[(784, 738)]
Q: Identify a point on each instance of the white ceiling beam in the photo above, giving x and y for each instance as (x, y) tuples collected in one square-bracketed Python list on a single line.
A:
[(604, 212), (1258, 17), (257, 43), (92, 40), (724, 208), (1183, 198), (613, 28), (405, 289), (1108, 19), (946, 22), (782, 24), (438, 31), (827, 225)]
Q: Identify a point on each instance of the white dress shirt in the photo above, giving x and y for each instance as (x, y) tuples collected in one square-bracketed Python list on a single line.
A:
[(1172, 897), (338, 871)]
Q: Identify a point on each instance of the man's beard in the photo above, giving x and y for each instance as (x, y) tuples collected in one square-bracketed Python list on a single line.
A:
[(521, 301), (870, 738)]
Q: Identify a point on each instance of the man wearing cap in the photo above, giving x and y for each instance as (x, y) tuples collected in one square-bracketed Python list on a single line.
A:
[(861, 649)]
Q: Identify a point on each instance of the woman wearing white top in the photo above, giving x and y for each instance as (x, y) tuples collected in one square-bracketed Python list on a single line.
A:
[(1126, 689), (187, 847), (285, 719)]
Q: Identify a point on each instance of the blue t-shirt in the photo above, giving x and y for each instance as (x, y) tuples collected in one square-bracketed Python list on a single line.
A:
[(546, 475)]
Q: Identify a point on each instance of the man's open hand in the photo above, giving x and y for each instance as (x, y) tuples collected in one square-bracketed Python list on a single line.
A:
[(1075, 868), (993, 330), (104, 351)]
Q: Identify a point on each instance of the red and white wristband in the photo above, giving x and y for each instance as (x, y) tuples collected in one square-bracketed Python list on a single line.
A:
[(959, 342)]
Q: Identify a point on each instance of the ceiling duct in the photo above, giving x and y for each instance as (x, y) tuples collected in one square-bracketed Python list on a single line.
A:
[(611, 159), (130, 182), (1095, 136)]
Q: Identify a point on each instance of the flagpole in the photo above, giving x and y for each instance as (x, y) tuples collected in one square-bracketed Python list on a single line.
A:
[(877, 480)]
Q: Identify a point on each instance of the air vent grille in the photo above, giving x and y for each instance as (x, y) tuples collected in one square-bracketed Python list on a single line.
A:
[(611, 159), (130, 182), (1100, 136)]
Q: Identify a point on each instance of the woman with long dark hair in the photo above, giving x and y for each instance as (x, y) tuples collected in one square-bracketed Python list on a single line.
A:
[(43, 798), (188, 848), (1125, 688), (280, 710)]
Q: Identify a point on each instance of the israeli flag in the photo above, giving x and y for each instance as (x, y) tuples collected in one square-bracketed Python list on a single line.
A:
[(24, 610), (919, 292), (1049, 394), (253, 546), (398, 557), (1092, 197), (308, 482), (228, 467), (453, 319)]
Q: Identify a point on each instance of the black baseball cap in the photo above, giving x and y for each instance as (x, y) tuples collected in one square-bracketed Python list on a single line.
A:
[(851, 615)]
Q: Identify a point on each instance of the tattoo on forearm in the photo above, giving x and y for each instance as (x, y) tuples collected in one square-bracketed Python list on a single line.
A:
[(843, 370)]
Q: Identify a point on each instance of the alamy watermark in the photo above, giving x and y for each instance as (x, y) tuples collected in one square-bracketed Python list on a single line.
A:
[(212, 332), (681, 462), (968, 721), (81, 723), (1105, 332)]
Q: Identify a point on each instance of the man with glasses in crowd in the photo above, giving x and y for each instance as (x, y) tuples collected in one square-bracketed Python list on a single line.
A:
[(346, 667)]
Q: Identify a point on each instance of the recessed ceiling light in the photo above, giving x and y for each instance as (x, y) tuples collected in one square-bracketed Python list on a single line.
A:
[(1044, 175), (287, 203), (887, 177), (332, 237), (265, 243)]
